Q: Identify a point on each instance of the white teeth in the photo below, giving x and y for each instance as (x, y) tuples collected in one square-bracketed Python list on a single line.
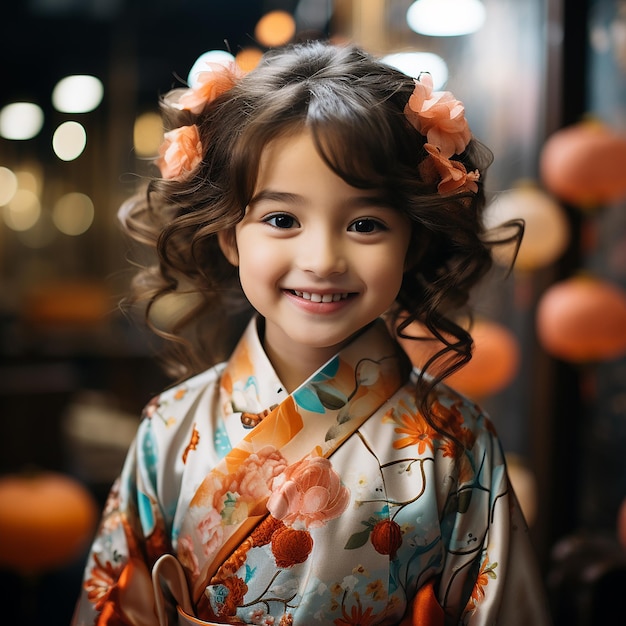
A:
[(318, 297)]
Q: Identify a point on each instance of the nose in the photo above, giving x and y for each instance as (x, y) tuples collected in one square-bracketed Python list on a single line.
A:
[(323, 254)]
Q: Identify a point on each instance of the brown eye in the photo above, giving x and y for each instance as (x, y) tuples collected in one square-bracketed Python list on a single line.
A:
[(281, 220), (366, 225)]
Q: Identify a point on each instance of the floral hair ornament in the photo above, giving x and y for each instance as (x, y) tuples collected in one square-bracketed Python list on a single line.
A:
[(440, 117), (181, 150)]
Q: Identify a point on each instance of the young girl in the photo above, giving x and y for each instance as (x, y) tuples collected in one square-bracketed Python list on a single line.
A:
[(315, 477)]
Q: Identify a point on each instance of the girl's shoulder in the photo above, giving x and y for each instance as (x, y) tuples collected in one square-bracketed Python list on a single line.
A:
[(452, 407), (186, 393)]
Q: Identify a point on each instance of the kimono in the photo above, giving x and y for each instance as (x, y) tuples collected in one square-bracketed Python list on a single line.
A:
[(336, 504)]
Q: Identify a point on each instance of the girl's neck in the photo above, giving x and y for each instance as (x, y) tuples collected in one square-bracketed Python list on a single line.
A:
[(296, 366)]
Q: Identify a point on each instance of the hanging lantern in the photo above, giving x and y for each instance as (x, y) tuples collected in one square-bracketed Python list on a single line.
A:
[(583, 164), (494, 363), (546, 232), (582, 319), (46, 519)]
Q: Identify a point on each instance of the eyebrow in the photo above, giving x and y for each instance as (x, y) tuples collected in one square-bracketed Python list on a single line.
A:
[(294, 198)]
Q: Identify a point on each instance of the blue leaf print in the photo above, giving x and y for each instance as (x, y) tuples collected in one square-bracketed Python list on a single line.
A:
[(249, 573), (221, 440), (149, 452), (145, 512), (308, 400), (329, 371)]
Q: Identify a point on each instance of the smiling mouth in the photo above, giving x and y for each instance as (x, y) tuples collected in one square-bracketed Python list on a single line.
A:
[(321, 297)]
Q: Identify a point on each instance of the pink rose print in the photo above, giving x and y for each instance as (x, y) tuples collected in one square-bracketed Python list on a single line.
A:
[(308, 494), (210, 531), (187, 556), (258, 471)]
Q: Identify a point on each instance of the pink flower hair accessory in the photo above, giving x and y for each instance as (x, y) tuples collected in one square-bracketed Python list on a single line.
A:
[(440, 117), (181, 151), (210, 83)]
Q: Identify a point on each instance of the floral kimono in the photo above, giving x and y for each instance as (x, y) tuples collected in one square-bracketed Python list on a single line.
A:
[(242, 504)]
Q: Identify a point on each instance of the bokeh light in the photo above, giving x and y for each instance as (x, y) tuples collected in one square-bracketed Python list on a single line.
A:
[(248, 58), (69, 140), (73, 213), (147, 134), (275, 28), (414, 63), (211, 56), (445, 18), (8, 185), (21, 120), (31, 178), (23, 211), (77, 94)]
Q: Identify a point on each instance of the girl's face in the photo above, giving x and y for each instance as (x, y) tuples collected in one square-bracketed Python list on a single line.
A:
[(318, 259)]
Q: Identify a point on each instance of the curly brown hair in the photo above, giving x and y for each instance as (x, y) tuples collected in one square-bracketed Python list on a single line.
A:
[(353, 104)]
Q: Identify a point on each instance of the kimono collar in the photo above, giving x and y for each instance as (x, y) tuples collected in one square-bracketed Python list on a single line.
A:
[(249, 384)]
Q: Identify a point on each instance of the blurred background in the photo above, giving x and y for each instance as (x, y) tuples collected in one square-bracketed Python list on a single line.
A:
[(544, 84)]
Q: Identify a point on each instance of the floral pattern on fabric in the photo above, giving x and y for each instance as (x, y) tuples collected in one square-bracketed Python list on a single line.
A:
[(342, 539)]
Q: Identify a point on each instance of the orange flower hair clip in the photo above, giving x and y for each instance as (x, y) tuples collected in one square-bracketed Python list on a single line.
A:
[(181, 150), (440, 117)]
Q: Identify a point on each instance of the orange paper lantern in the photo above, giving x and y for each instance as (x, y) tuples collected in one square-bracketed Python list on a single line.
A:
[(45, 521), (582, 319), (583, 164), (494, 363)]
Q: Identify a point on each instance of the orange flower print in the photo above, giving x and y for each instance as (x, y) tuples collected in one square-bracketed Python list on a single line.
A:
[(291, 547), (487, 571), (103, 577), (193, 443), (376, 589), (308, 493), (356, 617), (418, 433), (117, 603), (180, 393)]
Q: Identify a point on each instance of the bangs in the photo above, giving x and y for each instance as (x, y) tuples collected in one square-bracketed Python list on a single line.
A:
[(368, 144), (360, 132)]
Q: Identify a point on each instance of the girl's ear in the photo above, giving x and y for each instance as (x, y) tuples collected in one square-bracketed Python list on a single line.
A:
[(228, 245)]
